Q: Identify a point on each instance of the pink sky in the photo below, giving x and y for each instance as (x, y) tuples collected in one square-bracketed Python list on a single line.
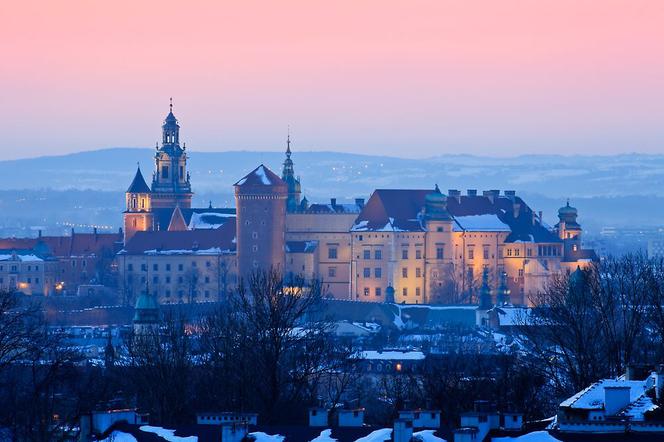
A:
[(411, 78)]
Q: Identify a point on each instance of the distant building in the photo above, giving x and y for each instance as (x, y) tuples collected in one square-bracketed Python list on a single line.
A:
[(412, 246)]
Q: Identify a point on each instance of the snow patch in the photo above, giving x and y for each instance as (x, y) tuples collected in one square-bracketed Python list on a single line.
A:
[(259, 436), (324, 436), (480, 223), (535, 436), (119, 436), (427, 436), (167, 434), (260, 172), (377, 436), (391, 355)]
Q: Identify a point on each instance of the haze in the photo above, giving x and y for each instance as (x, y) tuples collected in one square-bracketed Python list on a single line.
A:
[(409, 78)]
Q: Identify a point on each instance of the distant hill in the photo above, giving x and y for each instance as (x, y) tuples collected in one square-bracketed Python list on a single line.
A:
[(596, 184)]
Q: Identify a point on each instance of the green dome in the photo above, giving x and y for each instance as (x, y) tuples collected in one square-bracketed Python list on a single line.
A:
[(435, 206)]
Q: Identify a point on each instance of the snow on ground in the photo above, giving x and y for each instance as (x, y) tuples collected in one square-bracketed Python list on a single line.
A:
[(259, 436), (427, 436), (119, 436), (377, 436), (535, 436), (167, 434), (325, 436)]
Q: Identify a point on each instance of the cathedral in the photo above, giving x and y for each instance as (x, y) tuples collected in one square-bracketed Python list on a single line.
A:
[(413, 246)]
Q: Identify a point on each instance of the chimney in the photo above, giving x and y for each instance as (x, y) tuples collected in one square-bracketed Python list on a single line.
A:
[(359, 202), (539, 216), (454, 193), (403, 430), (333, 201), (516, 207), (510, 194), (94, 230), (615, 399), (472, 192), (533, 216), (72, 231), (491, 195)]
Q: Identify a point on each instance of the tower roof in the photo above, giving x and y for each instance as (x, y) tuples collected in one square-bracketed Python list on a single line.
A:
[(261, 177), (146, 310), (138, 185)]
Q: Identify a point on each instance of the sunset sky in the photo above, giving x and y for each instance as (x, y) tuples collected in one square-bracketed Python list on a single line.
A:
[(406, 78)]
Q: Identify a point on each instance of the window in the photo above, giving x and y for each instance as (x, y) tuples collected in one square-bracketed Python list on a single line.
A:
[(29, 280), (168, 293), (404, 291), (164, 171), (332, 253), (181, 172), (29, 268), (366, 291), (180, 279), (144, 267), (168, 280), (332, 272), (378, 272), (155, 267), (485, 253), (404, 254), (142, 279), (529, 252), (404, 272), (417, 291), (418, 254), (471, 253), (439, 229), (207, 279), (439, 252), (379, 292), (418, 272), (509, 252), (130, 267), (168, 267), (366, 254), (207, 293), (520, 273), (194, 264), (155, 279), (378, 254), (180, 267), (36, 280), (367, 272), (517, 252)]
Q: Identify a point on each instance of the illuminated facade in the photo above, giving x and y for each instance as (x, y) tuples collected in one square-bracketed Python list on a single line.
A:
[(404, 245)]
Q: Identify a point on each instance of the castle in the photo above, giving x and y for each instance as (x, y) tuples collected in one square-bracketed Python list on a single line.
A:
[(414, 246)]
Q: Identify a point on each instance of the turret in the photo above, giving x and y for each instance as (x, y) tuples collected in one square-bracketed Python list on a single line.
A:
[(293, 184), (146, 314), (439, 253), (137, 215), (569, 229)]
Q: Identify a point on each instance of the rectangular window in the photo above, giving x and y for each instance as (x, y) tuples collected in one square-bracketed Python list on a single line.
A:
[(404, 254), (439, 253), (130, 267), (207, 279), (418, 254), (194, 264), (155, 267), (520, 273), (168, 280), (404, 291), (378, 254), (144, 267), (404, 272), (208, 264), (379, 292), (529, 252), (168, 267), (418, 272), (366, 291), (509, 252), (378, 272), (485, 253), (155, 279), (332, 253), (517, 252), (180, 267), (332, 272), (164, 171), (367, 272), (417, 291), (367, 254), (471, 253)]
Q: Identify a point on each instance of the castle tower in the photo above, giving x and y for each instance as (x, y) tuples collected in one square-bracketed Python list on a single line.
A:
[(288, 175), (438, 245), (137, 215), (260, 201), (569, 230), (170, 181)]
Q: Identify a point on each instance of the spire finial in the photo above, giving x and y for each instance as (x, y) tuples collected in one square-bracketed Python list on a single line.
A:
[(567, 202), (288, 151), (171, 104), (437, 189)]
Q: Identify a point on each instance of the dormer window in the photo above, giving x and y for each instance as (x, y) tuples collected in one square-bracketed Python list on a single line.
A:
[(164, 171)]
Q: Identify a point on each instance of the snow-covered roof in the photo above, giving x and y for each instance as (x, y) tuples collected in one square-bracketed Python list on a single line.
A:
[(535, 436), (22, 258), (391, 355), (167, 434), (480, 223), (592, 398), (511, 316), (208, 220)]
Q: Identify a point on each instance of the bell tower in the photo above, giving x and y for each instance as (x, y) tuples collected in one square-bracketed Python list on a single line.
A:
[(137, 215), (288, 175), (170, 180)]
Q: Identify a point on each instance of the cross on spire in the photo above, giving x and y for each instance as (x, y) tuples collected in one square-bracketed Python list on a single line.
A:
[(288, 151)]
